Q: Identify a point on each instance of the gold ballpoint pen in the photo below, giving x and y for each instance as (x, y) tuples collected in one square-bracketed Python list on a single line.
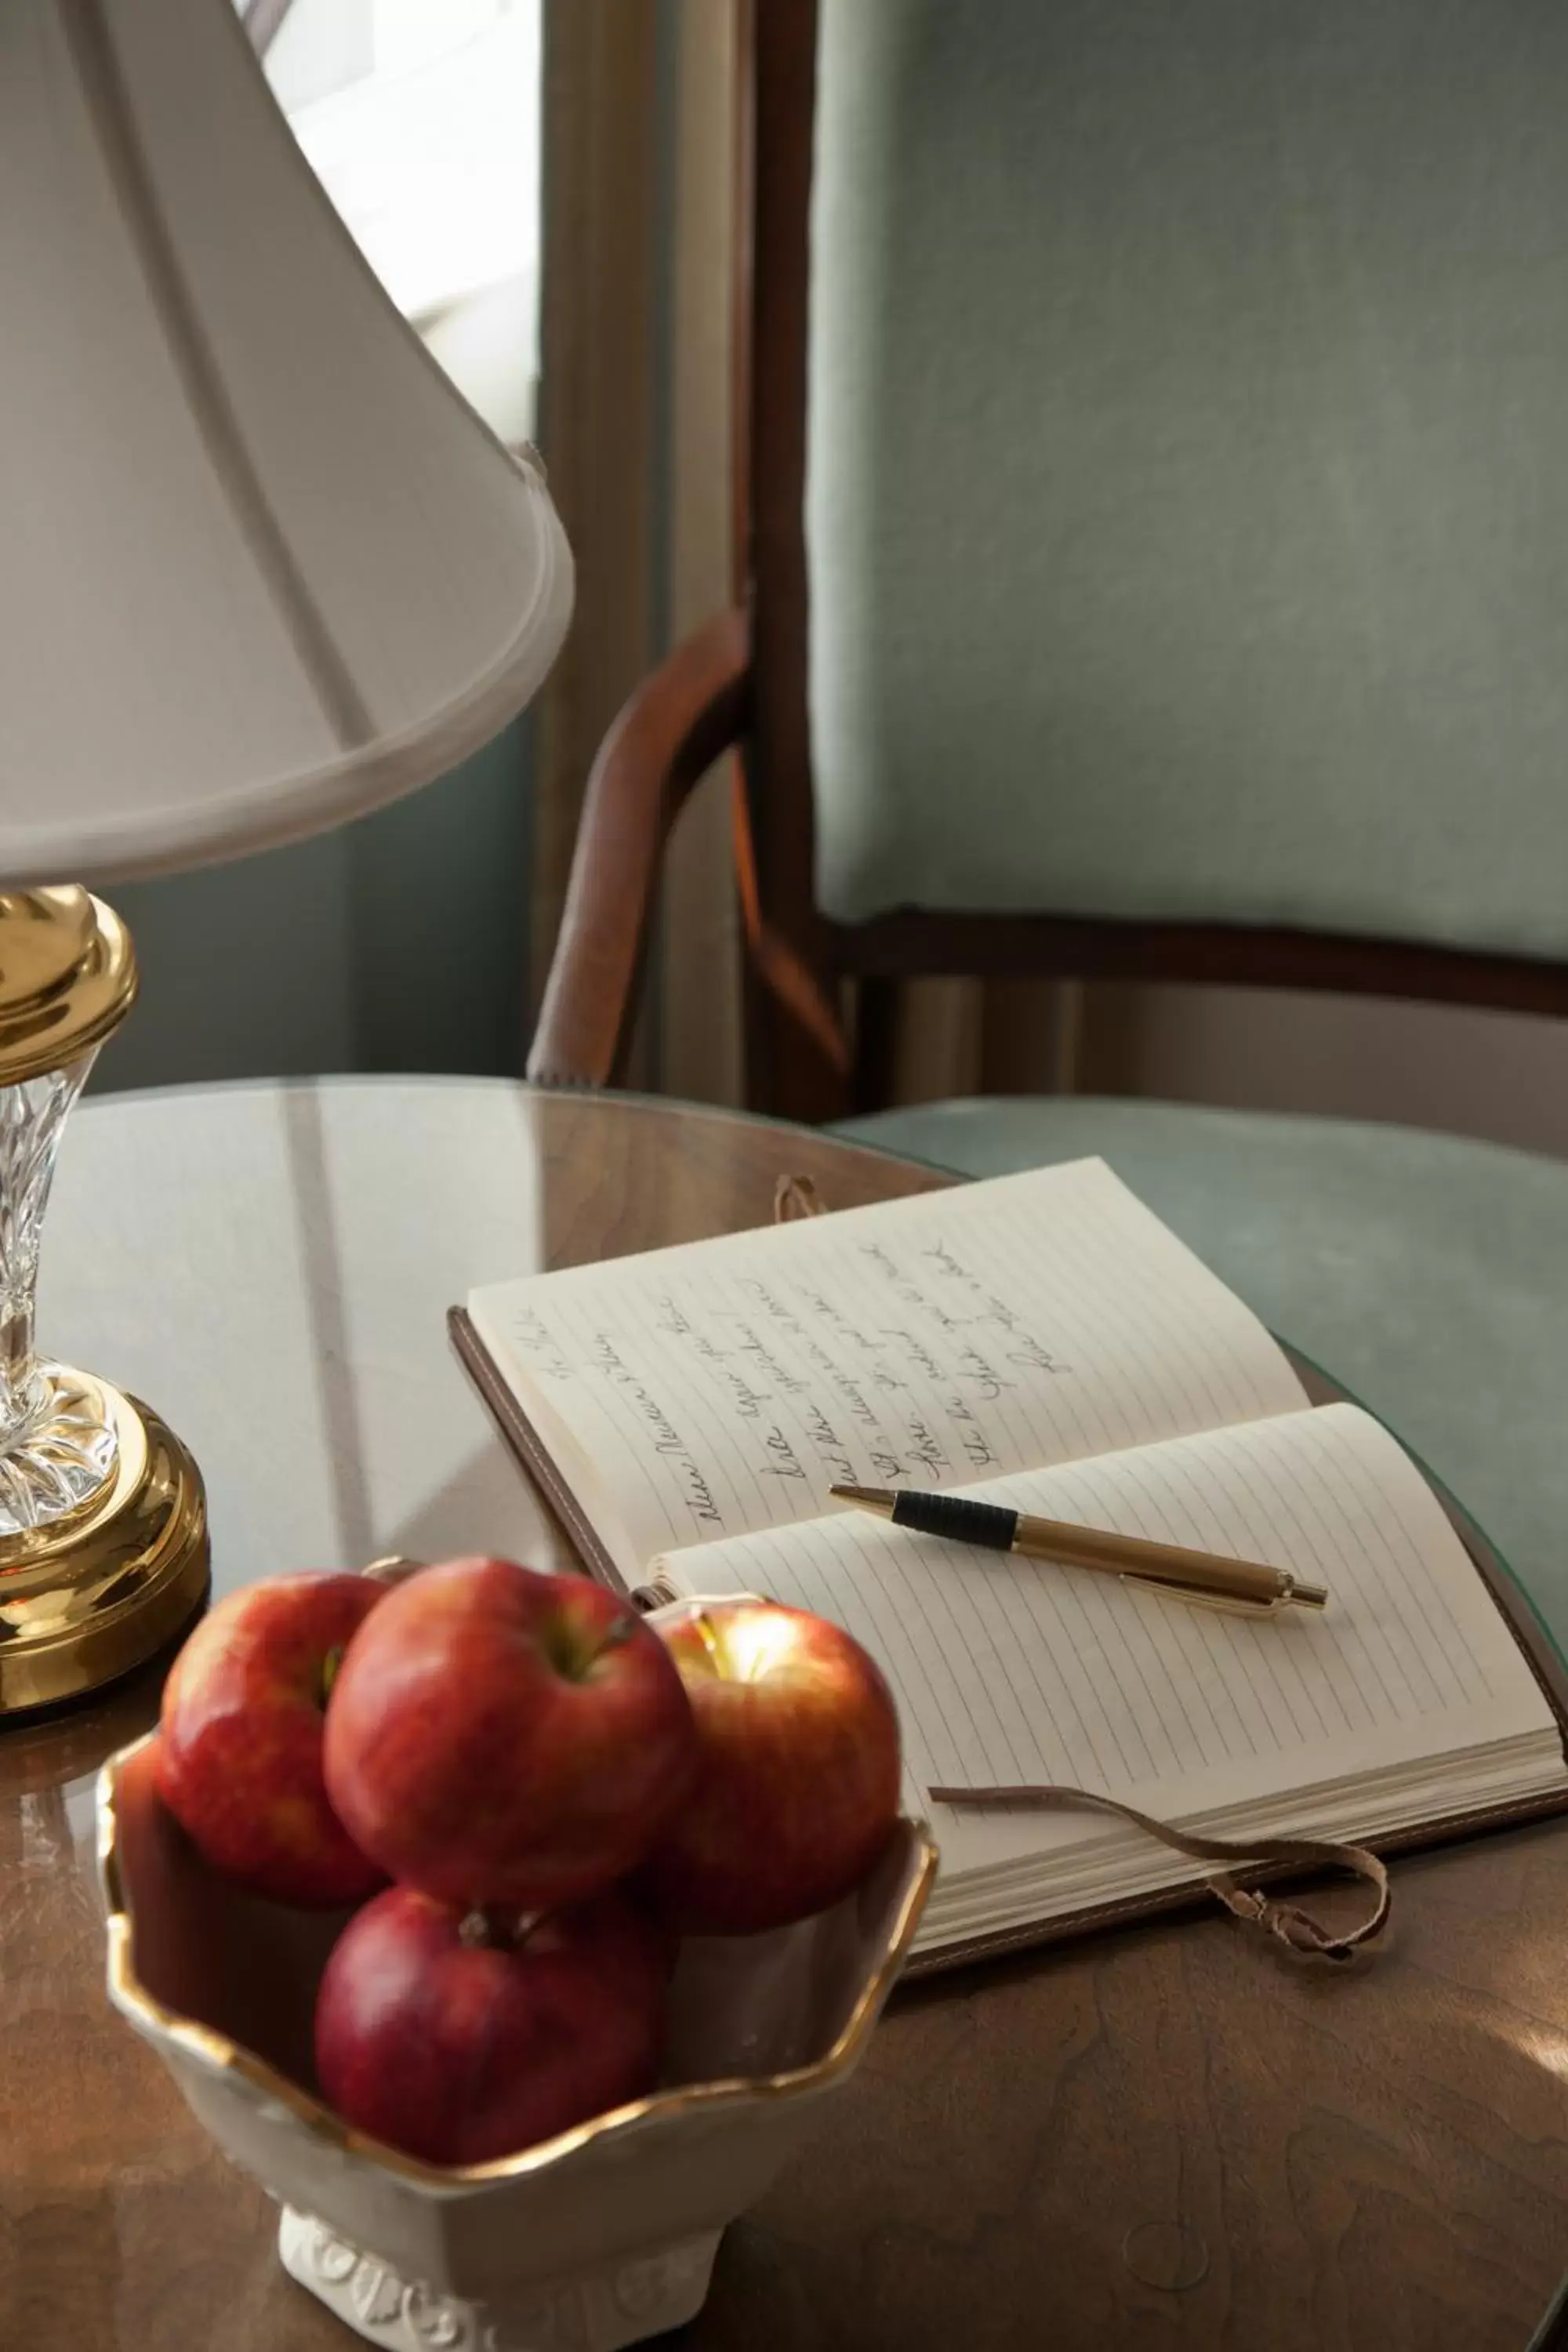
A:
[(1206, 1579)]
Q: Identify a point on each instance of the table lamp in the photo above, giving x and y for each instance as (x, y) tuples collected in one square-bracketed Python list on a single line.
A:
[(261, 569)]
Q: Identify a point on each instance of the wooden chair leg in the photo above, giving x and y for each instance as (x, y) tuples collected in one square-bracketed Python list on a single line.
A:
[(875, 1043)]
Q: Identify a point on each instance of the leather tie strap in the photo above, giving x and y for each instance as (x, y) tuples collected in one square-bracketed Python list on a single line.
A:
[(1297, 1929), (796, 1197)]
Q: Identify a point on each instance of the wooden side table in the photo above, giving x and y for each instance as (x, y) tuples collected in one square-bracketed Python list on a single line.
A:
[(1165, 2137)]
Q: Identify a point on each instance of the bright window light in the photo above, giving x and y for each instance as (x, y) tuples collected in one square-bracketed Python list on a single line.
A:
[(421, 119)]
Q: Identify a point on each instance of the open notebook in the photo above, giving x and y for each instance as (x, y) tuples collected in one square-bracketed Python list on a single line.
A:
[(1041, 1341)]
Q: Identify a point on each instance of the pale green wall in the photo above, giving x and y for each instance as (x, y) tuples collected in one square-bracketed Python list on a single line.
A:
[(397, 943)]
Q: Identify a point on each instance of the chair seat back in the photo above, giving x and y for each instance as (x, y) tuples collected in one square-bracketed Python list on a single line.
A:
[(1188, 463)]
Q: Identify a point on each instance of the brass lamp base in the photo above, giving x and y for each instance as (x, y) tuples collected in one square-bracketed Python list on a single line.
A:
[(103, 1524), (91, 1596)]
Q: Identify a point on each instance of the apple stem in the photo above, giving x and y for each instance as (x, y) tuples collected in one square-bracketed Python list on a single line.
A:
[(501, 1930)]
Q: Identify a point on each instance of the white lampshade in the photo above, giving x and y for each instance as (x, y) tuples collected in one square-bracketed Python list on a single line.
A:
[(262, 568)]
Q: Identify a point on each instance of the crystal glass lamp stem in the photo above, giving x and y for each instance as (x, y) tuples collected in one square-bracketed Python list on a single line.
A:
[(57, 1446)]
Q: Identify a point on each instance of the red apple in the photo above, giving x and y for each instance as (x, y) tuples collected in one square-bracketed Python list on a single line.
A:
[(500, 1736), (458, 2043), (239, 1761), (798, 1784)]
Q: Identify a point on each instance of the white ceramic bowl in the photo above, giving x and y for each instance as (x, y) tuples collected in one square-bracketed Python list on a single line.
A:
[(595, 2239)]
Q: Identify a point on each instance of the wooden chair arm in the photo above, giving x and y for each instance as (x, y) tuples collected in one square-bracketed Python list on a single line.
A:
[(665, 739)]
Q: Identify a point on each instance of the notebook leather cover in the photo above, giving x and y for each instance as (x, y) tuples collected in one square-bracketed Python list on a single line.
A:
[(1543, 1661)]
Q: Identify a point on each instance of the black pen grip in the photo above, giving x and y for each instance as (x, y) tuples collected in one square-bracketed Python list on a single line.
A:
[(951, 1516)]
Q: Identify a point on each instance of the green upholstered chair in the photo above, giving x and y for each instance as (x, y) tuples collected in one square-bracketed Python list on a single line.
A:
[(1157, 565)]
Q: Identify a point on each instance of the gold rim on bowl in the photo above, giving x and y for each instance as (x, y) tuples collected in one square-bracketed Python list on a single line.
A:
[(218, 2053)]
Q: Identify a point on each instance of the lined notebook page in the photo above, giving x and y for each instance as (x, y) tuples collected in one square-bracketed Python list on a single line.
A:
[(700, 1391), (1009, 1669)]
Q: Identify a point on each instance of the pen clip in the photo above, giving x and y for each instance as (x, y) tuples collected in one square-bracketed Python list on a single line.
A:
[(1228, 1604)]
